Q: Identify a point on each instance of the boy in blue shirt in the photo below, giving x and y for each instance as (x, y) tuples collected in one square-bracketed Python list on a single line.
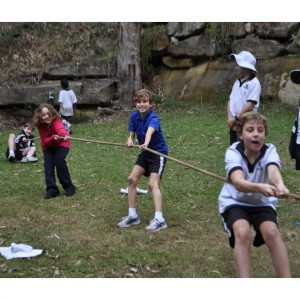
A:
[(145, 124)]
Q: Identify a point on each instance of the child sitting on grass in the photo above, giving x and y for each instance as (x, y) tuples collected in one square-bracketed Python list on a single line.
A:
[(22, 147), (146, 125), (249, 198)]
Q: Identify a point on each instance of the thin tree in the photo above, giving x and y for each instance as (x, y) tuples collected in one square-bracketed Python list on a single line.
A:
[(129, 65)]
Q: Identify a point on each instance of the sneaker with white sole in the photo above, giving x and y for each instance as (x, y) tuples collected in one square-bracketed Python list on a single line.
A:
[(129, 221), (138, 191), (156, 225), (28, 159)]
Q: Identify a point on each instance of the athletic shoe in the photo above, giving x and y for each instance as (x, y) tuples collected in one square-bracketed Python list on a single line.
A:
[(129, 221), (70, 194), (51, 195), (138, 191), (156, 225), (11, 158), (29, 159)]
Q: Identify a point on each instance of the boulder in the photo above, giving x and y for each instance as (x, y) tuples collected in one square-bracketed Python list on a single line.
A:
[(100, 92), (184, 29), (177, 63), (260, 48), (198, 46), (88, 92), (97, 68), (294, 46), (289, 92), (276, 30), (271, 72)]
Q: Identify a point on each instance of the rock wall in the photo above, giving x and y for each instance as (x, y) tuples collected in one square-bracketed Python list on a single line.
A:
[(190, 62), (195, 63)]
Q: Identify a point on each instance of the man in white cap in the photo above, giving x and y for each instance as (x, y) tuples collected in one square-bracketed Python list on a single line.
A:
[(245, 92)]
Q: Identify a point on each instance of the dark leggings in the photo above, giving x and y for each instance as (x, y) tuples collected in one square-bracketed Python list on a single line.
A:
[(56, 158), (297, 157)]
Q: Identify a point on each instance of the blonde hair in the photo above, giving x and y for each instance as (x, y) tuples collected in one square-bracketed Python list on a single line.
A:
[(250, 116), (143, 93), (36, 119)]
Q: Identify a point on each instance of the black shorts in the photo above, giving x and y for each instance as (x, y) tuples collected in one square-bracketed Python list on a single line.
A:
[(151, 163), (18, 154), (255, 217)]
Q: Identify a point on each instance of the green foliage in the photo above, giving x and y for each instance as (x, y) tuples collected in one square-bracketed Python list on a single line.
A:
[(147, 45), (79, 234), (220, 32)]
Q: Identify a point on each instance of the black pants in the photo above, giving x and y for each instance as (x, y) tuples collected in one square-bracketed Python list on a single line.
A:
[(297, 157), (56, 159), (233, 136)]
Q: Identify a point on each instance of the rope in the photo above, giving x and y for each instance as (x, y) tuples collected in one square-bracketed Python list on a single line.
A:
[(288, 195)]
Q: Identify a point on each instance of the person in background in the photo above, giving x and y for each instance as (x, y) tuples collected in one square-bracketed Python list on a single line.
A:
[(55, 145), (67, 102), (145, 124), (294, 146), (250, 196), (245, 94), (22, 147)]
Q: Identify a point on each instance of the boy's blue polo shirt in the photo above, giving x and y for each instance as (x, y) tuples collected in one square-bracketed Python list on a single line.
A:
[(140, 127)]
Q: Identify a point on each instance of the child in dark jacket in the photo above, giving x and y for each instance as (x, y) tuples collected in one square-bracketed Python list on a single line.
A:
[(55, 145)]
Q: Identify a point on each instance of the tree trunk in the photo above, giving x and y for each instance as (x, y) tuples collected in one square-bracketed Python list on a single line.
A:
[(129, 66)]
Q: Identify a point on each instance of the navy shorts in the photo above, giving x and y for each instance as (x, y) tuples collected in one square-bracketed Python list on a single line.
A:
[(151, 163), (18, 154), (255, 217)]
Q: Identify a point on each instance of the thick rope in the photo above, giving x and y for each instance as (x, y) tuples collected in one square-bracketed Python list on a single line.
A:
[(288, 195)]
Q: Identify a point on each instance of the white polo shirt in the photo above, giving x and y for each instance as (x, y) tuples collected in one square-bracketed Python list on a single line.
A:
[(235, 158), (67, 98), (243, 92)]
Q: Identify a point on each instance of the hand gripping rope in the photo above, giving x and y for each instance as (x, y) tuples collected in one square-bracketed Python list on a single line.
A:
[(287, 195)]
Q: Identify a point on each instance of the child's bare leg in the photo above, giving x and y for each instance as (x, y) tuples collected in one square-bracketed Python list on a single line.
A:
[(242, 234), (154, 187), (277, 248), (31, 151), (133, 180), (11, 142)]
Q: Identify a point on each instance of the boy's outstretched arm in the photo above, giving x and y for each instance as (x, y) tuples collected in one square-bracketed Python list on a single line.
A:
[(130, 140), (246, 186), (149, 134), (276, 180)]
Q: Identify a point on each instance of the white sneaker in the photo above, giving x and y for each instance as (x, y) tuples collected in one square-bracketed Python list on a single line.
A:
[(28, 159), (138, 191), (156, 225), (129, 221)]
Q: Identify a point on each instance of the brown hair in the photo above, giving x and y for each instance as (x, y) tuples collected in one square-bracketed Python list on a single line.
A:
[(143, 93), (28, 125), (36, 119), (249, 116)]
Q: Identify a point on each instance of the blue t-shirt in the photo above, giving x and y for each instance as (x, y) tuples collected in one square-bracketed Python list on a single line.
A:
[(140, 127)]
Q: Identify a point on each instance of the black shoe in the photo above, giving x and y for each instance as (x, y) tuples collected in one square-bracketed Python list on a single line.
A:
[(11, 158), (70, 194), (51, 195)]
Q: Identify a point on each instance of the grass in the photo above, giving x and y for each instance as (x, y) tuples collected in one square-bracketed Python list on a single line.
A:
[(79, 234)]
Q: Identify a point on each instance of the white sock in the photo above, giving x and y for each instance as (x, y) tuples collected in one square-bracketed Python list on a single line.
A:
[(12, 152), (132, 212), (159, 216)]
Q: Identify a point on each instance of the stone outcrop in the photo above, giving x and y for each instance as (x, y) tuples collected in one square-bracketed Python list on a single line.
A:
[(190, 60)]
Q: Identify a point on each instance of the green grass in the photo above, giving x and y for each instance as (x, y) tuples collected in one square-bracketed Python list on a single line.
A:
[(79, 234)]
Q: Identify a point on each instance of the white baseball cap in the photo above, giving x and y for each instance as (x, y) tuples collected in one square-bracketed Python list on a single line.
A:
[(245, 59)]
